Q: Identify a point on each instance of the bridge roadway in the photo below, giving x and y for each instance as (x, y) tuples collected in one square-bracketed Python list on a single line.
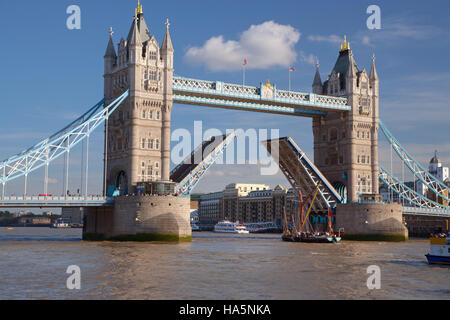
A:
[(265, 98), (98, 201), (54, 202)]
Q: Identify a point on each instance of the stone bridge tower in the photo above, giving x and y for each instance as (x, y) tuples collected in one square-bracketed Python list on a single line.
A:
[(346, 144), (137, 146)]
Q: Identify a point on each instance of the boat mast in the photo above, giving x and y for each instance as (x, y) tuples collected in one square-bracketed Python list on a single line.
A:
[(330, 230), (286, 229), (310, 207)]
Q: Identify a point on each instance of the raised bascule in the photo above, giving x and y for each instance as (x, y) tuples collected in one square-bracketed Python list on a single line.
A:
[(144, 200)]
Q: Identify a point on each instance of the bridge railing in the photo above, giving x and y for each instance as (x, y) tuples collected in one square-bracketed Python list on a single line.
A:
[(218, 88)]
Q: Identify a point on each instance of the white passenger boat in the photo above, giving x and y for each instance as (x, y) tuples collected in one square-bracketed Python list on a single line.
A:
[(60, 223), (195, 227), (230, 227)]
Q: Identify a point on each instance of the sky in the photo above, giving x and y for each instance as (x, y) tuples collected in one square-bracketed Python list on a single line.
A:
[(51, 74)]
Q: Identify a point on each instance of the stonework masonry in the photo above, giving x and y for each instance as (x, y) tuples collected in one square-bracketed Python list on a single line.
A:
[(140, 218), (371, 221)]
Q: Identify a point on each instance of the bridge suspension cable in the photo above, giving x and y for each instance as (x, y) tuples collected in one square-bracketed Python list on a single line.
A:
[(47, 150), (405, 192), (434, 184)]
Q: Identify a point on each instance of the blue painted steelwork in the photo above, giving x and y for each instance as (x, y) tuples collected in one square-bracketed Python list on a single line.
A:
[(219, 94), (433, 183), (433, 212), (407, 193), (55, 202), (246, 106), (302, 173), (59, 143), (190, 181)]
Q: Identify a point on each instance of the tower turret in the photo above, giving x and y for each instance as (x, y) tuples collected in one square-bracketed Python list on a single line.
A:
[(139, 130), (167, 76), (346, 144), (317, 83)]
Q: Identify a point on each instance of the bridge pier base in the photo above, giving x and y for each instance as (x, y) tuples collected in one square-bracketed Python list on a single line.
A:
[(371, 221), (140, 218)]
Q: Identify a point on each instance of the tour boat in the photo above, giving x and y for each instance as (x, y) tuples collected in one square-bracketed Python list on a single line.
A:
[(230, 227), (439, 251), (59, 223), (195, 227)]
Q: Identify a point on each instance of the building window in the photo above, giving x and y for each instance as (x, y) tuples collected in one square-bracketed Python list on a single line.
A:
[(157, 144), (150, 114), (143, 143), (143, 114), (157, 115), (150, 145), (156, 164)]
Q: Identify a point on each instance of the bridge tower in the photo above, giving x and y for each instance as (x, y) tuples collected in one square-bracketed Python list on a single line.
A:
[(137, 135), (346, 144)]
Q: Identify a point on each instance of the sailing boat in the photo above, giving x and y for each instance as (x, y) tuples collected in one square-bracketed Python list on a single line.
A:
[(303, 233)]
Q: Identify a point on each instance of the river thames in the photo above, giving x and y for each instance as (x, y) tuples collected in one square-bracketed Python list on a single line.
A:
[(33, 263)]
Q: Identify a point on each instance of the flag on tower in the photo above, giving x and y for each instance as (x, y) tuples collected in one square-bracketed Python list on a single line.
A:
[(245, 62), (292, 69)]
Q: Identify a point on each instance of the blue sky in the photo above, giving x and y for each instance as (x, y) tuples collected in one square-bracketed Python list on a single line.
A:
[(51, 74)]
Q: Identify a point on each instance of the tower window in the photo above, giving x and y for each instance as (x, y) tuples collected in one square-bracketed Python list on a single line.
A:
[(157, 115), (150, 144), (150, 114), (157, 144), (143, 114), (143, 143)]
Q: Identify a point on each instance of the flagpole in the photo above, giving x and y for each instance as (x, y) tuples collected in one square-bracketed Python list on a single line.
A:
[(289, 70)]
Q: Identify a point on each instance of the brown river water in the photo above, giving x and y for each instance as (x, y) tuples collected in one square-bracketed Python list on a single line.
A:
[(33, 263)]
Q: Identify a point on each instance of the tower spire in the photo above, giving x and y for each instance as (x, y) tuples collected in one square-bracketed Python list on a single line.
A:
[(135, 38), (138, 9), (373, 71), (167, 42), (110, 50), (346, 45)]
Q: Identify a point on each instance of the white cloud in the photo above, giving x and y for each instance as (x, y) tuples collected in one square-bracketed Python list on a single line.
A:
[(264, 46), (396, 29), (308, 58), (331, 38)]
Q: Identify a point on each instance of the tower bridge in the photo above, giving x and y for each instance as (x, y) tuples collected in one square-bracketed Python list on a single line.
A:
[(139, 91)]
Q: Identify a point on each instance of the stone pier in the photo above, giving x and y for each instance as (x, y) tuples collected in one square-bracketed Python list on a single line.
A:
[(140, 218), (371, 221)]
